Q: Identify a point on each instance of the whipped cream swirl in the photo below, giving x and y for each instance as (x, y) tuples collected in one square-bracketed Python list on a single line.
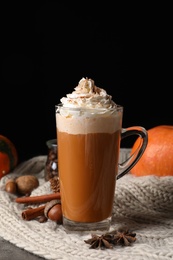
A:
[(88, 95)]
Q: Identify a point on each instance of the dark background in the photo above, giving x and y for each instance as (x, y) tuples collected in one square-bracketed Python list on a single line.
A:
[(48, 46)]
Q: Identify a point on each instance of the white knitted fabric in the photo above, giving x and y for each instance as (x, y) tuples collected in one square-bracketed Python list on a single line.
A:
[(145, 204)]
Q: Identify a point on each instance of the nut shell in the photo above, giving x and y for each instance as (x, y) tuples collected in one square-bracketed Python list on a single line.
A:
[(11, 186), (26, 184), (53, 211)]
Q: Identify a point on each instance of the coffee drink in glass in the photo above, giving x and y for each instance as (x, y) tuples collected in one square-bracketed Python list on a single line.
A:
[(89, 134)]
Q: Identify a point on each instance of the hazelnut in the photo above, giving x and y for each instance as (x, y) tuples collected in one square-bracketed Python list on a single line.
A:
[(53, 211), (26, 184), (11, 186)]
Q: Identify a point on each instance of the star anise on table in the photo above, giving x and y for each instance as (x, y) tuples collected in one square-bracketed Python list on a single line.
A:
[(101, 242), (121, 236)]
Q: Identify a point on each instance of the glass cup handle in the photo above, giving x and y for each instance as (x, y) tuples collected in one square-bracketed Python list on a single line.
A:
[(125, 166)]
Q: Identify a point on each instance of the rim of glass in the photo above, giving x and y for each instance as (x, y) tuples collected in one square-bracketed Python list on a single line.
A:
[(51, 142), (61, 106)]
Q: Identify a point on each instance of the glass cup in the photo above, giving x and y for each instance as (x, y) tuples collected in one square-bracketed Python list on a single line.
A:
[(51, 166), (88, 162)]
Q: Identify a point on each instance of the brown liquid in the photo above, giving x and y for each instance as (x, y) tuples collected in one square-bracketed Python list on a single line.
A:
[(87, 170)]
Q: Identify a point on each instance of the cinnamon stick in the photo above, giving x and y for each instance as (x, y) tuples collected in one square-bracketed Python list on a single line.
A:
[(29, 214), (38, 199)]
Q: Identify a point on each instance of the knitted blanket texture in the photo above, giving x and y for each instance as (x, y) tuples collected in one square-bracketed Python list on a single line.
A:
[(145, 204)]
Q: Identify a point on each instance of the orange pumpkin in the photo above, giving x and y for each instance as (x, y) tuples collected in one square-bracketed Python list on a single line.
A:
[(157, 158), (8, 156)]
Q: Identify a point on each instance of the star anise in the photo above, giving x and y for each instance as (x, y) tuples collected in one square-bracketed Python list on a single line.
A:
[(123, 237), (100, 242), (108, 240)]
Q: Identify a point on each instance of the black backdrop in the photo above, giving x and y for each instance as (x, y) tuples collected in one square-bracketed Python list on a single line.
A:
[(49, 46)]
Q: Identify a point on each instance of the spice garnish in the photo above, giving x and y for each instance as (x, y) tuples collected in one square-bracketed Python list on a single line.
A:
[(121, 236), (103, 241)]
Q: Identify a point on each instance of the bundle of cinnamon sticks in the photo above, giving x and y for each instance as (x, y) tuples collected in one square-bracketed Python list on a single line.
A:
[(32, 213)]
